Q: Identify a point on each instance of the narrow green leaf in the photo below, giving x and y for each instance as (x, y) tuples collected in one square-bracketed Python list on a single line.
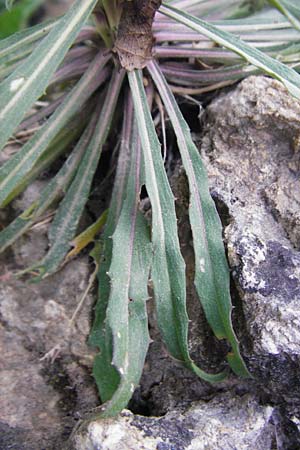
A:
[(62, 142), (138, 336), (293, 6), (41, 115), (289, 15), (211, 270), (59, 145), (50, 194), (28, 82), (106, 375), (25, 38), (9, 3), (168, 267), (20, 165), (126, 318), (276, 69), (66, 220), (18, 46)]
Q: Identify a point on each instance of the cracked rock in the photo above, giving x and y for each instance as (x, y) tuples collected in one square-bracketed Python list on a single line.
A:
[(251, 149), (226, 423)]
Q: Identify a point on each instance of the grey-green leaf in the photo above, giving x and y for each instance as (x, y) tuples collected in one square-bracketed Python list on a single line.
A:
[(67, 217), (284, 10), (276, 69), (168, 267), (28, 82), (49, 195), (106, 375), (211, 270), (19, 166), (126, 318), (11, 46)]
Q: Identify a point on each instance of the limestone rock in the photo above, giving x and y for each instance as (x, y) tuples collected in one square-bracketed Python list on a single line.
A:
[(224, 423), (251, 149)]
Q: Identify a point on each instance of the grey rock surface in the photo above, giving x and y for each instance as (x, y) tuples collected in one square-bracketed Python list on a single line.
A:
[(251, 149), (250, 145), (225, 423), (45, 361)]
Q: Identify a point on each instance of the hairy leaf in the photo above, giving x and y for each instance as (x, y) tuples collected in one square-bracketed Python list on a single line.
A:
[(28, 82), (134, 38), (276, 69), (126, 318), (284, 10), (17, 16), (211, 270), (20, 165), (25, 38), (106, 375), (66, 220), (17, 47), (50, 194), (168, 267)]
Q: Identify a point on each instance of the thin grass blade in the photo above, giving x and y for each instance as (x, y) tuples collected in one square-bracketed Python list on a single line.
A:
[(66, 220), (276, 69), (19, 166), (28, 82)]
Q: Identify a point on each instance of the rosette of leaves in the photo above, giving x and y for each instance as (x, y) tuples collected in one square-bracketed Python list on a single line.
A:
[(63, 84)]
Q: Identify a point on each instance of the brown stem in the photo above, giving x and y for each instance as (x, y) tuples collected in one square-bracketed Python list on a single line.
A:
[(135, 40)]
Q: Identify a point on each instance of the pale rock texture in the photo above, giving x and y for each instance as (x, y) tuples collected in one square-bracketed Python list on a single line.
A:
[(226, 422), (250, 146), (251, 149)]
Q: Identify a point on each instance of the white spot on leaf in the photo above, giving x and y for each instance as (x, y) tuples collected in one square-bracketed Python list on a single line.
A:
[(202, 265), (121, 370), (16, 84), (119, 335)]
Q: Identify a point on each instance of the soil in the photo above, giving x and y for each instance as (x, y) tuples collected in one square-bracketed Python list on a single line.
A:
[(47, 385)]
